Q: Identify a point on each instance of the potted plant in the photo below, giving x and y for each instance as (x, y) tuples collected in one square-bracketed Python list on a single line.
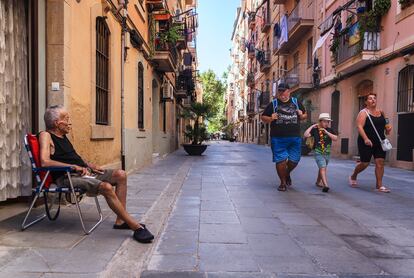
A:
[(196, 132)]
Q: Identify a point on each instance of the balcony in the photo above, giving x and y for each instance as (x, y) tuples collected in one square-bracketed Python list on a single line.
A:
[(264, 99), (250, 80), (251, 105), (252, 20), (185, 85), (164, 56), (300, 21), (353, 57), (156, 4), (240, 114), (265, 61), (251, 50), (187, 102), (265, 20), (299, 78)]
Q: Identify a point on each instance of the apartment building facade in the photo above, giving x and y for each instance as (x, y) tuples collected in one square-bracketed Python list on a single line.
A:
[(331, 59), (123, 69)]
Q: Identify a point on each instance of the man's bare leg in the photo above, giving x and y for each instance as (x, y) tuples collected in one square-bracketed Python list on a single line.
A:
[(120, 190), (281, 170), (115, 204), (290, 166)]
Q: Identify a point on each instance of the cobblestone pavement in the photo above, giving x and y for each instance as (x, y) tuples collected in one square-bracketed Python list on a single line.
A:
[(230, 221), (220, 215)]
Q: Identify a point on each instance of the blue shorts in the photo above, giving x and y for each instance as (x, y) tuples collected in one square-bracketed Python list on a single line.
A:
[(322, 160), (284, 148)]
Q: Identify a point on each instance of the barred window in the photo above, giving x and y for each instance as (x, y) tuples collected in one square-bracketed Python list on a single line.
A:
[(140, 96), (406, 89), (102, 71)]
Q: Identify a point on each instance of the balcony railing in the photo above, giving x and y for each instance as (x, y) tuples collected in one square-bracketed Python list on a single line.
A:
[(265, 14), (250, 79), (302, 11), (265, 60), (300, 22), (165, 54), (240, 114), (251, 50), (252, 20), (264, 99), (299, 77), (184, 84), (371, 42)]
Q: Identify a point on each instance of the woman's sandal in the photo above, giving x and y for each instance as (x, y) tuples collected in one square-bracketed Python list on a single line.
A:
[(318, 185), (383, 189), (325, 189), (352, 183)]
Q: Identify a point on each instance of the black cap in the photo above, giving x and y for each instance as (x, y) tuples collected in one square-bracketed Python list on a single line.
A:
[(282, 87)]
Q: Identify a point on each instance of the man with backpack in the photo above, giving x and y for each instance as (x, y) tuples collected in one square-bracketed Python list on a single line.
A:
[(284, 114)]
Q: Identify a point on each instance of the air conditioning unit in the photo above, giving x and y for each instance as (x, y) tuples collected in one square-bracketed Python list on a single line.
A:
[(167, 91)]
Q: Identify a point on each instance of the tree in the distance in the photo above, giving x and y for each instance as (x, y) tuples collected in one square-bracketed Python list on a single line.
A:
[(214, 90)]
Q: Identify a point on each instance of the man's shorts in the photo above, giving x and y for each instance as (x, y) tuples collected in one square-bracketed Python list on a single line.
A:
[(89, 184), (322, 160), (284, 148)]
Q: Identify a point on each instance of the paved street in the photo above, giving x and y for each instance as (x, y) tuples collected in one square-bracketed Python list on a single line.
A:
[(220, 215)]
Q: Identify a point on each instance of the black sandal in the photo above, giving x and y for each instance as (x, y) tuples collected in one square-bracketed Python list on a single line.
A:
[(325, 189), (282, 187), (124, 226), (289, 181)]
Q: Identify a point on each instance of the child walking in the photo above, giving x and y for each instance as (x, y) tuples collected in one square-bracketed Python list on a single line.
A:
[(323, 136)]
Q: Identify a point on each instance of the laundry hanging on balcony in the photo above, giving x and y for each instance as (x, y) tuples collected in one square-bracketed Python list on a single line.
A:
[(283, 30), (321, 41), (276, 30)]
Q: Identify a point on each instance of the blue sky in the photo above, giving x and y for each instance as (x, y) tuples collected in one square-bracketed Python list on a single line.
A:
[(216, 18)]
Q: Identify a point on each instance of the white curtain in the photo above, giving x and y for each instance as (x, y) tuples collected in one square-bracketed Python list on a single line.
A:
[(15, 173)]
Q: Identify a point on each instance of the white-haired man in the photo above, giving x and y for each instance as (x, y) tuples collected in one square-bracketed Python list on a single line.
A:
[(56, 150)]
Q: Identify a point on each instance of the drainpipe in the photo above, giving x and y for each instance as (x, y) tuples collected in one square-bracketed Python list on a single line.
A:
[(124, 14)]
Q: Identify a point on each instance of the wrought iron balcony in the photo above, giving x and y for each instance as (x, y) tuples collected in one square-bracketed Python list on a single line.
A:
[(250, 79), (350, 57), (300, 21), (184, 83), (265, 20), (265, 61), (264, 99), (251, 50), (299, 78), (252, 20), (240, 114), (251, 104), (165, 55)]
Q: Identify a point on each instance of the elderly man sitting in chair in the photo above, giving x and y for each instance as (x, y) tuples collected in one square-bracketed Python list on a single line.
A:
[(56, 150)]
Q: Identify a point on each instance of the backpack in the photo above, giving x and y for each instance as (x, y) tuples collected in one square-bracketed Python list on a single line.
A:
[(275, 103)]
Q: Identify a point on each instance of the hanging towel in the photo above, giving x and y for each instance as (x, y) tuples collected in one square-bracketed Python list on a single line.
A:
[(283, 30)]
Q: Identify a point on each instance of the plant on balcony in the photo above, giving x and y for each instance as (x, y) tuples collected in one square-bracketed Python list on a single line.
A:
[(172, 35), (370, 21)]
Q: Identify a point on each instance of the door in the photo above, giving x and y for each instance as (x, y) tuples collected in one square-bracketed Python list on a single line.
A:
[(405, 137)]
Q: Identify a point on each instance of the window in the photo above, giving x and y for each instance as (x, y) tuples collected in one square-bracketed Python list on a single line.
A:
[(140, 96), (405, 101), (310, 50), (102, 72)]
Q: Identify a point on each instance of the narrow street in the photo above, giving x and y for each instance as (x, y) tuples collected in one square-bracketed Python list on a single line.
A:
[(220, 215)]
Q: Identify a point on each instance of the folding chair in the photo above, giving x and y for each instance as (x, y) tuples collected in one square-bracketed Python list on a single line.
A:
[(45, 186)]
